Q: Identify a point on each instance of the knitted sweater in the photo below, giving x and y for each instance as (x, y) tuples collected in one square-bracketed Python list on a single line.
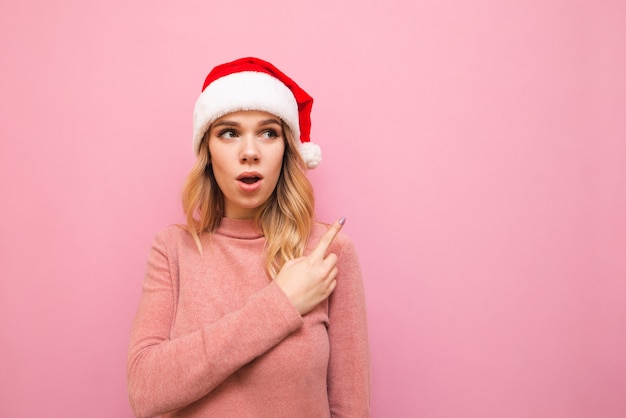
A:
[(214, 337)]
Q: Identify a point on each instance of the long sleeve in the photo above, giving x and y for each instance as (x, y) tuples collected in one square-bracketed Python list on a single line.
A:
[(166, 374), (349, 363)]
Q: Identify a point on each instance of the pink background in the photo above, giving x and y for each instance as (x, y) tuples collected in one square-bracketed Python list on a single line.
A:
[(478, 149)]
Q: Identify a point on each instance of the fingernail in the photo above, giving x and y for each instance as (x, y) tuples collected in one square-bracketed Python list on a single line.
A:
[(342, 220)]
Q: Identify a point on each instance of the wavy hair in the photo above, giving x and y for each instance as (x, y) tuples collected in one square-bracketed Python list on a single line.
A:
[(286, 218)]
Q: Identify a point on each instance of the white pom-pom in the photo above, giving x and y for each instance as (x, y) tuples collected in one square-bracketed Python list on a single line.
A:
[(311, 154)]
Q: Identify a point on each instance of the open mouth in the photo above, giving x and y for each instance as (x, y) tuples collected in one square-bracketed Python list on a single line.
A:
[(249, 180), (250, 177)]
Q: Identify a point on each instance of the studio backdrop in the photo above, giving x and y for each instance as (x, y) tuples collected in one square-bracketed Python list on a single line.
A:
[(477, 149)]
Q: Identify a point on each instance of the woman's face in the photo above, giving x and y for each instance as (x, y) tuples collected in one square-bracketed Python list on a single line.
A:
[(246, 152)]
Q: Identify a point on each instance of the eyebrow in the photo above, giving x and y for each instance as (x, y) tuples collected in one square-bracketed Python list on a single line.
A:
[(270, 121), (233, 123)]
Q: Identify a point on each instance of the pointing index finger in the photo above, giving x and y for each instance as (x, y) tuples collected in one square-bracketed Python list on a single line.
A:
[(328, 238)]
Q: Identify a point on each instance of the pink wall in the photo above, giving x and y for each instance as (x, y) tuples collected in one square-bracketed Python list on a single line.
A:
[(477, 148)]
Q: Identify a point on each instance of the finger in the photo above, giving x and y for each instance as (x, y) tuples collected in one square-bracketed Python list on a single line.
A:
[(330, 261), (327, 239), (332, 275), (332, 286), (330, 282)]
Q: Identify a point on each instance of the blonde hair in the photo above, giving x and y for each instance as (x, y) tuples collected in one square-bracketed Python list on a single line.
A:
[(286, 218)]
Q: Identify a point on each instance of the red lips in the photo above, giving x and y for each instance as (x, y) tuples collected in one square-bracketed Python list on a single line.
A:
[(249, 177), (249, 181)]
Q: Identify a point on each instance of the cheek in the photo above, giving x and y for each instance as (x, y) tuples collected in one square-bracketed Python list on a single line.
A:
[(217, 158), (277, 162), (218, 168), (280, 153)]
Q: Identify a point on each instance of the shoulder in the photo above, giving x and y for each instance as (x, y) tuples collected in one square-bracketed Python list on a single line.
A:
[(173, 232), (174, 236), (342, 243), (343, 247)]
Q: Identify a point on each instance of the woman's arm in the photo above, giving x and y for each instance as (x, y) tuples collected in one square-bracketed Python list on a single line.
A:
[(349, 366), (167, 374)]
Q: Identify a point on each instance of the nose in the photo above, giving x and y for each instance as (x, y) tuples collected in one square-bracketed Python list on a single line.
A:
[(249, 149)]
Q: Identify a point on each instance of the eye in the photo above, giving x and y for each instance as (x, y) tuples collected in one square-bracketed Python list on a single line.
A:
[(270, 134), (227, 134)]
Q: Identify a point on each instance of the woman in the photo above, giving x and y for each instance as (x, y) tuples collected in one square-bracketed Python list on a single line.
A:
[(252, 309)]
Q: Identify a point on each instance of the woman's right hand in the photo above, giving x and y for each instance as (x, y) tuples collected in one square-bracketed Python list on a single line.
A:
[(309, 280)]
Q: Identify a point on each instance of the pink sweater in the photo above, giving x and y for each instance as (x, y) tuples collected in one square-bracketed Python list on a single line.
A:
[(213, 337)]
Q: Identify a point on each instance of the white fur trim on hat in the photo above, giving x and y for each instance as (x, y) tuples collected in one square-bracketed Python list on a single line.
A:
[(247, 90), (311, 154)]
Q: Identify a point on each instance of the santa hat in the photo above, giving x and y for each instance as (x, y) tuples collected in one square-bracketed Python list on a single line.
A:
[(254, 84)]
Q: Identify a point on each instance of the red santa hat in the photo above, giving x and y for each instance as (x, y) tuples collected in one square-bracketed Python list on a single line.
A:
[(254, 84)]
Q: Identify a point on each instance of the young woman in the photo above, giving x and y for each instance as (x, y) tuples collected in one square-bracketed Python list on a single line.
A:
[(252, 309)]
